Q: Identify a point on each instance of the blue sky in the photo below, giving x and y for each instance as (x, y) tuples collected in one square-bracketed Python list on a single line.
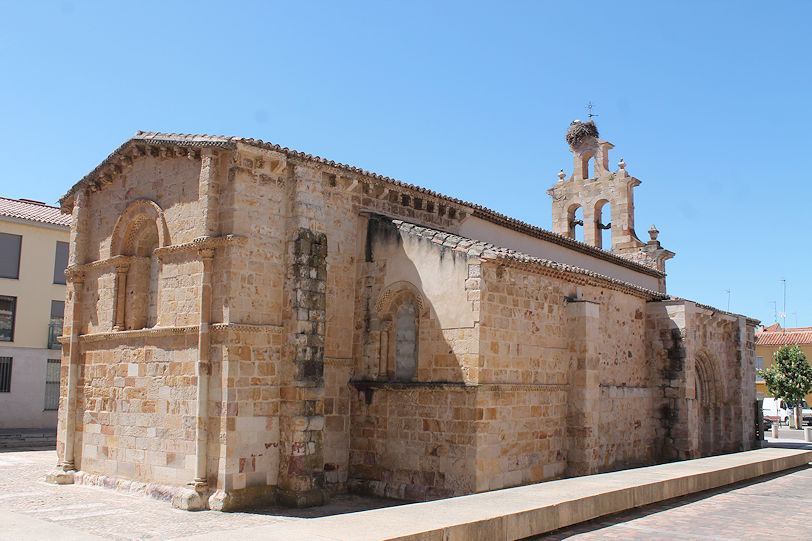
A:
[(703, 100)]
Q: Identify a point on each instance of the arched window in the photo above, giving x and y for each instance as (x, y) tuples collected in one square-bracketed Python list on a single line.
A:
[(575, 218), (603, 224), (139, 231), (406, 343), (398, 310)]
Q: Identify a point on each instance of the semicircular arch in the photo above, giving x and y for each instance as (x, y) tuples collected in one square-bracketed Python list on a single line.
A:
[(139, 214), (394, 294), (709, 385)]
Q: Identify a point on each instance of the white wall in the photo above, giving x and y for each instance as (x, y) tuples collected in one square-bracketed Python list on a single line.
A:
[(23, 406), (479, 229)]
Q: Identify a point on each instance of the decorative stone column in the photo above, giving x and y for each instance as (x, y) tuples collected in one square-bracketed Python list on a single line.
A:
[(207, 191), (385, 371), (583, 401), (121, 295), (63, 474)]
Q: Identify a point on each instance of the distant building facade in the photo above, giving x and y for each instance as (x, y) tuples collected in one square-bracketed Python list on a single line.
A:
[(769, 339), (33, 256), (249, 323)]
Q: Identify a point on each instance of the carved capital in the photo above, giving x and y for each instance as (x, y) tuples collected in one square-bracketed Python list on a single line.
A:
[(74, 275)]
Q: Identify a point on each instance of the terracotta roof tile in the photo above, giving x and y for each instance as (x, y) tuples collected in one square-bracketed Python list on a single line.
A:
[(33, 211), (784, 337)]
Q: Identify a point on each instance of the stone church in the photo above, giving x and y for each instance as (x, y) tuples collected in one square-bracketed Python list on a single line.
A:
[(249, 324)]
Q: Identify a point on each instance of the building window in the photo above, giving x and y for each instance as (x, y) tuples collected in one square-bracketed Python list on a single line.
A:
[(8, 308), (406, 343), (60, 262), (759, 366), (52, 384), (55, 324), (398, 323), (10, 255), (5, 374)]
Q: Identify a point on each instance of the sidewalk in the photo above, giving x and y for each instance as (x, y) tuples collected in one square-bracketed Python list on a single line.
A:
[(788, 438), (32, 509), (521, 512)]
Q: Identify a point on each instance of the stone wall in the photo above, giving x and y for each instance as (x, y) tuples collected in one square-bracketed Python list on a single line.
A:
[(241, 320), (244, 406), (413, 442), (169, 180), (137, 402), (706, 358), (592, 370), (520, 434)]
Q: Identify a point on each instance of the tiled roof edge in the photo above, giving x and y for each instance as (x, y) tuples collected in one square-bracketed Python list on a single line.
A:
[(751, 320), (486, 250), (477, 210), (34, 219), (784, 339)]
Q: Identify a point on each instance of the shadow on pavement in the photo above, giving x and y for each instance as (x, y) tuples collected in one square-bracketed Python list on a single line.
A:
[(339, 505)]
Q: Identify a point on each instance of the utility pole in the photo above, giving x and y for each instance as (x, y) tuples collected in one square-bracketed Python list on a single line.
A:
[(728, 299), (784, 313)]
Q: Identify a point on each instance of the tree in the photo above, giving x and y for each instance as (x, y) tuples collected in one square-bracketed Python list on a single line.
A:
[(789, 378)]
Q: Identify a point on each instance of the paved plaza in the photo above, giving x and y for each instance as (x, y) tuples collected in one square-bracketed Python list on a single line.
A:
[(30, 508), (776, 507)]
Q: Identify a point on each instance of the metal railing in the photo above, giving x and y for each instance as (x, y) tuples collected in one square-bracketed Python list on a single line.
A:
[(54, 332)]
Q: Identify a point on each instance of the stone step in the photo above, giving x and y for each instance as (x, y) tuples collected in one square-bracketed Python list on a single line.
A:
[(27, 439)]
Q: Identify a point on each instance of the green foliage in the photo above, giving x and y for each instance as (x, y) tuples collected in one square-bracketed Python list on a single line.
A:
[(790, 377)]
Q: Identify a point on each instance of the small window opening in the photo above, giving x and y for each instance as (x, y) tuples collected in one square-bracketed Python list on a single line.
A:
[(406, 343), (576, 225)]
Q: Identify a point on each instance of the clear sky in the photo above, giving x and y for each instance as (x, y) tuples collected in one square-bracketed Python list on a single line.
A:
[(703, 100)]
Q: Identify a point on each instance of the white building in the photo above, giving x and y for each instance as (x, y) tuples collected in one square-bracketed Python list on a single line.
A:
[(33, 256)]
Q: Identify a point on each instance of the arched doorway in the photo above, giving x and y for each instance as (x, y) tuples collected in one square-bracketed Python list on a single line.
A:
[(709, 406)]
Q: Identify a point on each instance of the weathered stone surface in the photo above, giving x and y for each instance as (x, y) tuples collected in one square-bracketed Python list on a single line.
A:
[(339, 333)]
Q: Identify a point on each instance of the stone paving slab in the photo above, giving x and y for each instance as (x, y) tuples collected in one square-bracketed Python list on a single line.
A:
[(773, 507), (530, 510), (32, 509)]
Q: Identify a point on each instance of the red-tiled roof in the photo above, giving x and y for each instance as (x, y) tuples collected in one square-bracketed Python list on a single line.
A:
[(33, 211), (787, 337)]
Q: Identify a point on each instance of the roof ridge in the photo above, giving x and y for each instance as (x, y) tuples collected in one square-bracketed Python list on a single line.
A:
[(18, 209), (29, 202)]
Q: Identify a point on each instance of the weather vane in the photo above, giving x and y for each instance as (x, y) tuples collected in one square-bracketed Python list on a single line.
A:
[(589, 113)]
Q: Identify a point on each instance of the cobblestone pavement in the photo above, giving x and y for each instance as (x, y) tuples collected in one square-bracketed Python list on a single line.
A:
[(111, 515), (775, 507)]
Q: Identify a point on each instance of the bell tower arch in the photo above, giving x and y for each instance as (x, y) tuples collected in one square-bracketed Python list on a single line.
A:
[(606, 196)]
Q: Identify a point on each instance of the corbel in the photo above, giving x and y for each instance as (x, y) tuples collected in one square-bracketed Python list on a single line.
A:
[(357, 186), (376, 189)]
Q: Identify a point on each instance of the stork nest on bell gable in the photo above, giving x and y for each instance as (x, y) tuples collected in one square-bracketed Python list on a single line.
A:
[(578, 131)]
